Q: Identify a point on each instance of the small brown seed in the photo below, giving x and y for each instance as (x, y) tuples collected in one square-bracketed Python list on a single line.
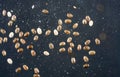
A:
[(69, 50), (60, 22), (25, 67), (61, 50), (21, 34), (92, 52), (13, 18), (97, 41), (67, 32), (73, 60), (85, 59), (87, 42), (69, 15), (30, 46), (3, 31), (5, 39), (36, 37), (69, 39), (33, 31), (84, 21), (76, 33), (20, 50), (36, 75), (75, 25), (22, 41), (88, 18), (15, 40), (4, 53), (79, 47), (33, 53), (68, 21), (45, 11), (10, 23), (26, 34), (62, 43), (86, 48), (36, 70), (86, 65), (17, 45), (48, 32), (59, 28), (72, 45), (51, 45), (18, 70)]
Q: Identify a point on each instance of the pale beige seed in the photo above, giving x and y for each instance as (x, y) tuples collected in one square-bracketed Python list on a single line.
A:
[(79, 47), (72, 45), (76, 33), (10, 61), (62, 43), (68, 21), (69, 39), (17, 45), (85, 59), (69, 50), (87, 42), (59, 28), (4, 53), (22, 41), (36, 70), (5, 40), (17, 30), (51, 45), (86, 48), (92, 52), (9, 14), (60, 22), (69, 15), (15, 40), (21, 34), (67, 32), (46, 53), (91, 23), (26, 34), (87, 18), (73, 60), (25, 67), (33, 31), (75, 25), (45, 11), (1, 40), (84, 21), (74, 7), (3, 31), (33, 53), (11, 34), (35, 38), (13, 18), (39, 31), (97, 41), (18, 70), (10, 23), (86, 65), (36, 75), (20, 50), (55, 32), (61, 50), (30, 46), (4, 12), (48, 32)]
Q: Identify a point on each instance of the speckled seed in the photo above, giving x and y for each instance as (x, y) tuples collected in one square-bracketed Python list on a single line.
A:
[(59, 28), (69, 15), (86, 48), (4, 53), (30, 46), (13, 18), (86, 65), (92, 52), (61, 50), (5, 39), (87, 42), (17, 45), (11, 34), (69, 39), (97, 41), (26, 34), (55, 32), (10, 61), (60, 22), (36, 75), (88, 18), (51, 45), (20, 50), (67, 31), (25, 67), (21, 34), (46, 53), (75, 25), (85, 59), (69, 50), (4, 12), (3, 31), (39, 30), (45, 11), (17, 30), (48, 32), (22, 41), (73, 60), (72, 45), (33, 53), (15, 40), (9, 14), (18, 70), (36, 70), (10, 23), (36, 37), (91, 23), (84, 21), (68, 21), (76, 33), (33, 31), (1, 39), (62, 43), (79, 47)]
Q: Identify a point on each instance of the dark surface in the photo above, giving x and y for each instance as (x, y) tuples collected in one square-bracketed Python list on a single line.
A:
[(106, 17)]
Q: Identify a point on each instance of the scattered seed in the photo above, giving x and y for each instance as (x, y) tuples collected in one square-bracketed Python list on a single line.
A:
[(11, 34), (87, 42), (30, 46), (33, 53), (72, 45), (18, 70), (13, 18), (76, 33), (9, 14), (69, 39), (68, 21), (48, 32), (3, 31), (45, 11), (20, 50), (92, 52), (59, 28), (36, 75), (10, 61), (39, 30), (88, 18), (85, 59), (84, 21), (46, 53), (22, 41), (69, 15), (17, 45), (17, 30), (75, 25), (55, 32), (97, 41), (62, 43), (73, 60), (10, 23), (4, 12), (60, 22), (67, 32), (21, 34), (86, 48), (51, 45), (86, 65), (26, 34), (36, 70), (33, 31), (91, 23), (79, 47), (36, 37), (25, 67), (5, 39), (69, 50), (61, 50), (4, 53)]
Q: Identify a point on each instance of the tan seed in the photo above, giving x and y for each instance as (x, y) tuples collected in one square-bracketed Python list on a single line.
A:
[(85, 59), (4, 12), (92, 52), (25, 67), (22, 41), (79, 47), (61, 50), (17, 30), (84, 21), (17, 45), (69, 39), (15, 40), (36, 75), (33, 31), (72, 45), (18, 70), (48, 32), (36, 70), (5, 39), (60, 22), (67, 32), (68, 21), (86, 48), (59, 28), (26, 34), (51, 45), (33, 53), (4, 53), (45, 11), (76, 33), (73, 60), (10, 23), (75, 25), (87, 42), (30, 46), (46, 53), (3, 31), (13, 18), (62, 43), (69, 15), (69, 50), (97, 41), (86, 65), (88, 18), (21, 34), (20, 50), (36, 37)]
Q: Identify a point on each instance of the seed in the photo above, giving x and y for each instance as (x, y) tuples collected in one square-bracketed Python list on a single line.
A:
[(3, 31), (59, 28), (11, 34), (86, 48), (73, 60), (10, 23), (36, 70), (10, 61), (39, 30), (17, 45), (67, 32), (36, 37), (36, 75), (13, 18), (17, 30), (25, 67), (69, 15), (92, 52), (30, 46), (33, 31), (55, 32), (69, 39), (75, 25), (88, 18), (91, 23), (1, 39), (21, 34), (20, 50), (69, 50), (15, 40), (76, 33), (45, 11), (26, 34), (5, 39), (48, 32), (62, 43), (72, 45), (97, 41), (68, 21), (85, 59), (86, 65), (4, 53), (74, 7), (4, 12), (84, 21), (33, 53), (22, 41), (79, 47), (60, 22), (17, 70), (87, 42), (9, 14), (46, 53), (61, 50), (51, 45)]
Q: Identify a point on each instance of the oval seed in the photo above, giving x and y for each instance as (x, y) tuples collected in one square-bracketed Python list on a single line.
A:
[(25, 67), (4, 53), (59, 28), (60, 22), (36, 37), (86, 65), (87, 42), (36, 70), (10, 61), (17, 70), (17, 30), (97, 41), (79, 47), (21, 34), (17, 45), (76, 33), (69, 15), (45, 11), (22, 41), (69, 50), (86, 48), (88, 18), (15, 40), (9, 14), (73, 60), (46, 53), (75, 25), (3, 31), (33, 31), (85, 59), (26, 34), (1, 39), (68, 21), (67, 31), (11, 34), (20, 50), (4, 12), (92, 52), (10, 23), (62, 43), (5, 39), (36, 75), (84, 21), (69, 39), (91, 23), (72, 45), (55, 32), (33, 53), (51, 45), (13, 18), (39, 30), (48, 32), (61, 50), (30, 46)]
